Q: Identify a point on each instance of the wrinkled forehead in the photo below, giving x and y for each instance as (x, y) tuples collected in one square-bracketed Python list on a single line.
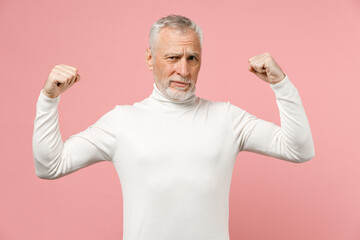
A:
[(174, 38)]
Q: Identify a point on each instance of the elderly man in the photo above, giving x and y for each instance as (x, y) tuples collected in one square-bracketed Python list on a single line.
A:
[(174, 152)]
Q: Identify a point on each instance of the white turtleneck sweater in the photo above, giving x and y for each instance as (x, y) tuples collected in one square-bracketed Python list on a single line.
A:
[(174, 159)]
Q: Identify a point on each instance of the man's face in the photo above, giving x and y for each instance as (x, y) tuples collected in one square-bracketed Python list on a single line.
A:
[(176, 63)]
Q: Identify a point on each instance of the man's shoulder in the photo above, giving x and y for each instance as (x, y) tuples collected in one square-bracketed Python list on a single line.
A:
[(225, 106), (214, 103), (137, 107)]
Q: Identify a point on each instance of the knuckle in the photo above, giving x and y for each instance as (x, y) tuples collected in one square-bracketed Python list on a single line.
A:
[(59, 68)]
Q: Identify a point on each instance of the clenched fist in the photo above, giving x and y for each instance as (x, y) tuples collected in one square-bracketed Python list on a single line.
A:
[(265, 67), (60, 78)]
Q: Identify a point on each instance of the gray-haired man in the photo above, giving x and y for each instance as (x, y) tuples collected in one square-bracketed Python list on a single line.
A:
[(174, 152)]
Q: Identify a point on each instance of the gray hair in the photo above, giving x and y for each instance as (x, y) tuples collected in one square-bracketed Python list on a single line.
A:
[(175, 21)]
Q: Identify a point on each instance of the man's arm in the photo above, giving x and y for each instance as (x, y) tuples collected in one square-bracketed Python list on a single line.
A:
[(293, 140), (55, 158)]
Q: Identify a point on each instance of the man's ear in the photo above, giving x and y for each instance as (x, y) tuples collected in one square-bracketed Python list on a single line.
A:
[(149, 59)]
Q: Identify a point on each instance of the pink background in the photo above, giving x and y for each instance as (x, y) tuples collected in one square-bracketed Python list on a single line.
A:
[(315, 42)]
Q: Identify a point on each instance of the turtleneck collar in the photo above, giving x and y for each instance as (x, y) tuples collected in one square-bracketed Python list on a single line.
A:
[(159, 99)]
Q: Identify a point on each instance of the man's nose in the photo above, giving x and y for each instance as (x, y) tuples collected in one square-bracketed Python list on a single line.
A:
[(182, 68)]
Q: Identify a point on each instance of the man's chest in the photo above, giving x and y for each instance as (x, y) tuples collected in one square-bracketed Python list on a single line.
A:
[(166, 150), (161, 139)]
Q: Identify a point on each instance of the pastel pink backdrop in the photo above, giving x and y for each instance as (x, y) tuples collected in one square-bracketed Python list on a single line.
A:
[(315, 42)]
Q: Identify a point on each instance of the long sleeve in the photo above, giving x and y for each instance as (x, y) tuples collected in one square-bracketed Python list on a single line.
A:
[(291, 142), (55, 158)]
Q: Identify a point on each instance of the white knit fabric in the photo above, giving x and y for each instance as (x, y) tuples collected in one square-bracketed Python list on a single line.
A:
[(174, 159)]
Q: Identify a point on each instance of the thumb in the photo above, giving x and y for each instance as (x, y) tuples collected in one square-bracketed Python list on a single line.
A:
[(262, 76), (77, 78)]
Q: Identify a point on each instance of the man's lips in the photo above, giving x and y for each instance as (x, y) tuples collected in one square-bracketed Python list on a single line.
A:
[(180, 84)]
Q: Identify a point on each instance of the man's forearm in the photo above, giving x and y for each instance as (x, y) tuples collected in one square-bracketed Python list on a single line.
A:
[(295, 128), (47, 142)]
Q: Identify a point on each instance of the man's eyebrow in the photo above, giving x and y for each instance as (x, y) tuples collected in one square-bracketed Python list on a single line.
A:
[(172, 54), (180, 54)]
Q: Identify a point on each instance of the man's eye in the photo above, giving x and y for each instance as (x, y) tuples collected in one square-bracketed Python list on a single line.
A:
[(192, 58), (172, 57)]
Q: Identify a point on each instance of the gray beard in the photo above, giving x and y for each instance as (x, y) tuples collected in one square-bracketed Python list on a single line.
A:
[(177, 94)]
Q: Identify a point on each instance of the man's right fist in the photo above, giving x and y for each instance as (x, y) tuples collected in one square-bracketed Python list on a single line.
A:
[(60, 78)]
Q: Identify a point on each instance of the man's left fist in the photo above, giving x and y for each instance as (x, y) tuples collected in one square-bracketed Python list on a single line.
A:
[(265, 67)]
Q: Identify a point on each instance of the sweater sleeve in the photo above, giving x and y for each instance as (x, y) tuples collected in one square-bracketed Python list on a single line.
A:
[(291, 142), (55, 158)]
